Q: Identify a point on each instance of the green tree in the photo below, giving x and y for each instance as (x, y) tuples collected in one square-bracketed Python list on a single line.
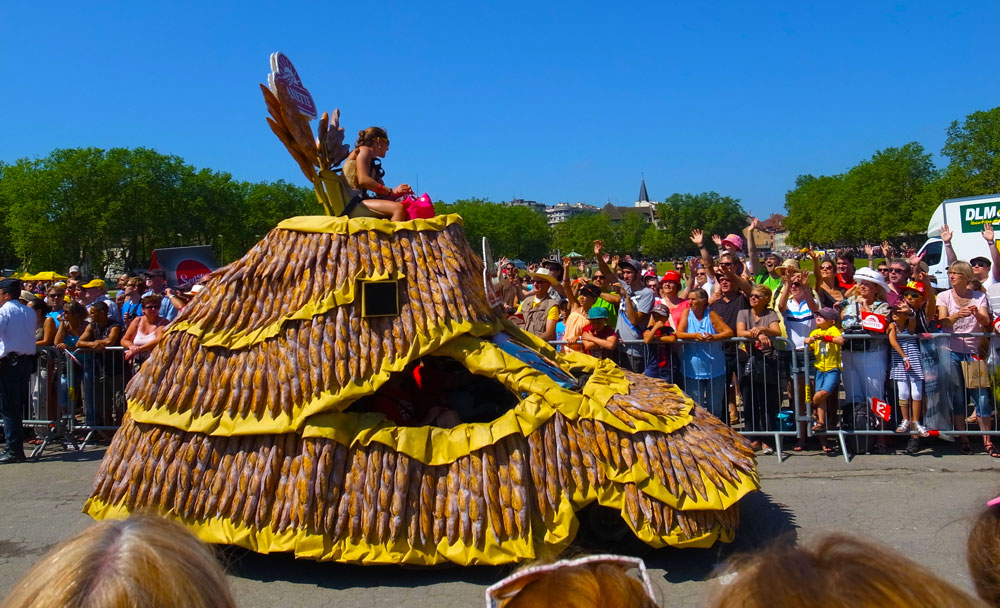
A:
[(708, 211), (513, 232), (875, 200), (973, 149), (578, 232)]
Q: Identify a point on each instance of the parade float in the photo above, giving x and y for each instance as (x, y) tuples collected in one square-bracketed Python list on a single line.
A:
[(259, 420)]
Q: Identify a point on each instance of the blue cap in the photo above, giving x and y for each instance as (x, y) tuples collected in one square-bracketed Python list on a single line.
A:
[(597, 312)]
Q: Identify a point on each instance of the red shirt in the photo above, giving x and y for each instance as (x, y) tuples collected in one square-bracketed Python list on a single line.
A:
[(604, 334), (843, 284)]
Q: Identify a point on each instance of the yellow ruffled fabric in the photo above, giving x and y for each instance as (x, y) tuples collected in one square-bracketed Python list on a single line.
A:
[(319, 547), (344, 225)]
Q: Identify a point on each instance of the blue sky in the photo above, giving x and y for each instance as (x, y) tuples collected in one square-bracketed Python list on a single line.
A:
[(555, 101)]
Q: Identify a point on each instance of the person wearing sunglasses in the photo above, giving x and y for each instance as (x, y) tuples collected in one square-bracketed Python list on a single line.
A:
[(145, 332), (898, 275), (798, 307), (828, 291), (610, 303)]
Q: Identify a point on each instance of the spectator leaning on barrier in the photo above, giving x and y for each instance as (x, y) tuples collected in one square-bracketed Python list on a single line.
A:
[(703, 361), (17, 363), (633, 312), (727, 302), (156, 283), (826, 342), (906, 368), (144, 333), (761, 374), (865, 360), (73, 325), (599, 340), (657, 337), (961, 311)]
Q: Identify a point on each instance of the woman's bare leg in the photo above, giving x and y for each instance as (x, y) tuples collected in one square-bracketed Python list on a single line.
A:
[(392, 209)]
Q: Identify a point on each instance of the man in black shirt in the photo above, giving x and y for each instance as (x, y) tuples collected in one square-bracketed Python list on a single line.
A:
[(727, 303)]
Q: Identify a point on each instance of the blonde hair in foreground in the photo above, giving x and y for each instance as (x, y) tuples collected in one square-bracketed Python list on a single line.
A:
[(834, 571), (585, 586), (142, 561)]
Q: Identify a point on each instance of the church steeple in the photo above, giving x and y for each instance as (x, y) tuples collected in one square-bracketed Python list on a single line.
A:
[(643, 195)]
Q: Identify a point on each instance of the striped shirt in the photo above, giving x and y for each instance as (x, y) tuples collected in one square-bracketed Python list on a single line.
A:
[(799, 321)]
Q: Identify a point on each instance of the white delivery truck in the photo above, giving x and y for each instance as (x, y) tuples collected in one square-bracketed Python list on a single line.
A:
[(965, 218)]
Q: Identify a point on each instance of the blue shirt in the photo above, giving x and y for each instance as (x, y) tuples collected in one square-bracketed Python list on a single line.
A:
[(702, 360)]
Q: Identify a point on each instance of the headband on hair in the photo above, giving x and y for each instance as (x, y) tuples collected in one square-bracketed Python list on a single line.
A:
[(513, 584)]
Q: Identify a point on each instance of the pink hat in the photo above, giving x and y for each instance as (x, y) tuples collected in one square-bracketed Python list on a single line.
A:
[(733, 240)]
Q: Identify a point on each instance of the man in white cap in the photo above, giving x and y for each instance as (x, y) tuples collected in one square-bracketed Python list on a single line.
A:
[(17, 363), (633, 312), (74, 272), (540, 310)]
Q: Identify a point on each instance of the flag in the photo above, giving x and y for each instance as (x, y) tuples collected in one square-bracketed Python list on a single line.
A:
[(881, 408)]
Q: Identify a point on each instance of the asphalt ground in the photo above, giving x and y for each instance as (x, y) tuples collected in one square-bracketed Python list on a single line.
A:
[(920, 505)]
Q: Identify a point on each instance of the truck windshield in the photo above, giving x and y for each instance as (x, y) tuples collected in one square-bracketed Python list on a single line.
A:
[(932, 252)]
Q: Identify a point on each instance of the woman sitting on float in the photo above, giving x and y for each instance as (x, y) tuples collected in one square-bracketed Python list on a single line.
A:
[(364, 174)]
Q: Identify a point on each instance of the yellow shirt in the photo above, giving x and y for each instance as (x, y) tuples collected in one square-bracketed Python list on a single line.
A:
[(553, 312), (827, 354)]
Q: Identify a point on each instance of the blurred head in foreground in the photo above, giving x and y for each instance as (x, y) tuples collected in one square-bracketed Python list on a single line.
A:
[(834, 571), (142, 561), (983, 553), (594, 581)]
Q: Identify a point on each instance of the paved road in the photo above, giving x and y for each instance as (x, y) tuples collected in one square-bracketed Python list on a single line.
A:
[(920, 505)]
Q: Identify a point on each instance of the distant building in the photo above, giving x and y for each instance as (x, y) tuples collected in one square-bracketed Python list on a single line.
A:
[(771, 234), (563, 211), (617, 214), (520, 202)]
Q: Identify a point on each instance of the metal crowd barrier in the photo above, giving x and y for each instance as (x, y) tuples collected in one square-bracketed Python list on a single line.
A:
[(75, 396), (769, 395)]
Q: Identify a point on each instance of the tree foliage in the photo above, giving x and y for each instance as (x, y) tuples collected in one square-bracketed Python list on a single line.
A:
[(896, 191), (513, 231), (708, 211), (112, 208)]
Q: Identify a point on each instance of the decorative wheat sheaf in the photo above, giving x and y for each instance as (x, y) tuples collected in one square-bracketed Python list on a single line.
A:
[(237, 425)]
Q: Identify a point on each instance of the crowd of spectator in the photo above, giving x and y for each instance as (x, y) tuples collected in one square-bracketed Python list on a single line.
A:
[(732, 328), (77, 315)]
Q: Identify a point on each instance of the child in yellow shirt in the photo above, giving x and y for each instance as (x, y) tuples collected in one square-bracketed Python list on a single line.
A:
[(825, 342)]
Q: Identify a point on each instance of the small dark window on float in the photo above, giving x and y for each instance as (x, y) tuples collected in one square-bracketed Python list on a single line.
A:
[(380, 298)]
